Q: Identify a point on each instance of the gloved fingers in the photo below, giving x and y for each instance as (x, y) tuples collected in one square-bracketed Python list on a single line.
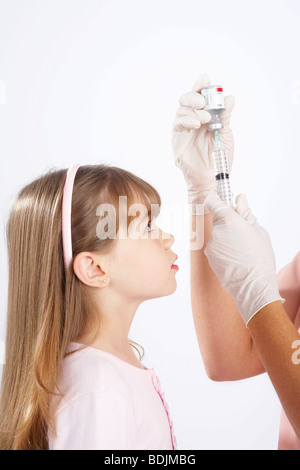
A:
[(220, 210), (229, 104), (243, 210), (202, 115), (182, 123), (216, 206), (189, 122), (202, 81), (192, 99)]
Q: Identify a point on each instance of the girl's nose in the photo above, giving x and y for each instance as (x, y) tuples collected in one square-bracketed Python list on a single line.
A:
[(167, 239)]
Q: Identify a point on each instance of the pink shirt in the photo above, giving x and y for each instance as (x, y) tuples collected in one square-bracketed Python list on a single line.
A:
[(289, 287), (110, 404)]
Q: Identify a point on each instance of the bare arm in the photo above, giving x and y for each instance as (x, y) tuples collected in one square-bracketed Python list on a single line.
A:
[(274, 334), (225, 343)]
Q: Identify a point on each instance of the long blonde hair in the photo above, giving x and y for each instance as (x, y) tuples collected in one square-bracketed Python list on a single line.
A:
[(46, 308)]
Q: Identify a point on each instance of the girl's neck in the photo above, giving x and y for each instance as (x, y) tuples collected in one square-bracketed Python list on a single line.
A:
[(122, 350), (110, 332)]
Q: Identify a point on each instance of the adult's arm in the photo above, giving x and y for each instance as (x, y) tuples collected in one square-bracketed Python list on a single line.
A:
[(225, 343), (278, 344)]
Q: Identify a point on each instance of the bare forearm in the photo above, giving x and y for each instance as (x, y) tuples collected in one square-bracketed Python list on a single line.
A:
[(224, 341), (275, 336)]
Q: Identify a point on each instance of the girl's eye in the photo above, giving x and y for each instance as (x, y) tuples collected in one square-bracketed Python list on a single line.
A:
[(149, 226)]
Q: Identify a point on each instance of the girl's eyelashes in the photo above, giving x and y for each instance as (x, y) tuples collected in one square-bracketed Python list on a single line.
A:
[(148, 226)]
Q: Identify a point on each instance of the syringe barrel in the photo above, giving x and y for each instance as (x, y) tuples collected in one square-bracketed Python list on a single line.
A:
[(215, 105), (222, 175)]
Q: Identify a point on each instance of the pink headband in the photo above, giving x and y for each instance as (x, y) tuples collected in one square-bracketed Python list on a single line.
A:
[(66, 215)]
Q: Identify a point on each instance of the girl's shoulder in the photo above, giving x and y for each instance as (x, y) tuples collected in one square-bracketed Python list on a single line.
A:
[(86, 369)]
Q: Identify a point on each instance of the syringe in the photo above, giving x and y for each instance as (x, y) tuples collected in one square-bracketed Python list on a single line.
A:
[(214, 99), (222, 172)]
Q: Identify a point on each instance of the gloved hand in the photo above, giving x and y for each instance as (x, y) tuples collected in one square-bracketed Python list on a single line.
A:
[(240, 253), (193, 144)]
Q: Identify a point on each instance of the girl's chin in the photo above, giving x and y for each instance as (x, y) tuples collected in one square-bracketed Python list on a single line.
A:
[(168, 291)]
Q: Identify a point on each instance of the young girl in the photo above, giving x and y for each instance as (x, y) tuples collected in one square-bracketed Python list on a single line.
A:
[(71, 378)]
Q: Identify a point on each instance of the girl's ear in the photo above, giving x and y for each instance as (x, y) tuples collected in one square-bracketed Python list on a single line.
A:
[(87, 268)]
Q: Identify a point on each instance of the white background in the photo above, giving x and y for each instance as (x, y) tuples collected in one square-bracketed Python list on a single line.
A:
[(94, 81)]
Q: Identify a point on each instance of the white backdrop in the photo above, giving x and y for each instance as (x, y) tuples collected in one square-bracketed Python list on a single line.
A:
[(94, 81)]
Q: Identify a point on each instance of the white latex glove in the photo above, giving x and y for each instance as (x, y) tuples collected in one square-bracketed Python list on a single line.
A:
[(240, 253), (193, 144)]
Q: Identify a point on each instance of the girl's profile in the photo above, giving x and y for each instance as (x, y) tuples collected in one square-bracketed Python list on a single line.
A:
[(72, 378)]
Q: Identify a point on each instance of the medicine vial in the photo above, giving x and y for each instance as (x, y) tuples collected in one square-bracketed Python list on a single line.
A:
[(214, 99)]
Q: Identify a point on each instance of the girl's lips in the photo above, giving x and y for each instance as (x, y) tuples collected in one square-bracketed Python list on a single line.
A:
[(174, 266)]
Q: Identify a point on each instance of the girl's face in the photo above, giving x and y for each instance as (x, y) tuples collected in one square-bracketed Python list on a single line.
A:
[(140, 265)]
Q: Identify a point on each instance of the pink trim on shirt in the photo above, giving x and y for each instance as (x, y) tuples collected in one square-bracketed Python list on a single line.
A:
[(157, 387)]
